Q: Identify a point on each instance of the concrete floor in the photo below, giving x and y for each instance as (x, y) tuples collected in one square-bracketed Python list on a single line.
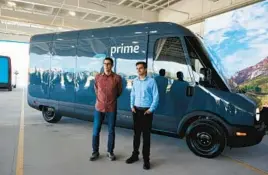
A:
[(64, 149)]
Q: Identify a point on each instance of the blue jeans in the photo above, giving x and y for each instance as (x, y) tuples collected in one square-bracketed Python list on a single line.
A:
[(98, 120)]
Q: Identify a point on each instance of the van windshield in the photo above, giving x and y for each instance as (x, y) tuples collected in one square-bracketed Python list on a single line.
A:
[(217, 64)]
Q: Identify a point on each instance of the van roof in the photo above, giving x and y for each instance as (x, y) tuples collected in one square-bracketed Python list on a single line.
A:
[(116, 31)]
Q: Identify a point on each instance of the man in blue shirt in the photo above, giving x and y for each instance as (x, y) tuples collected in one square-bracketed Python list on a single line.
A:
[(144, 99)]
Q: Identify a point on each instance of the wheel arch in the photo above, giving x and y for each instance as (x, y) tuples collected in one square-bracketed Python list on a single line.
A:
[(193, 116), (40, 107)]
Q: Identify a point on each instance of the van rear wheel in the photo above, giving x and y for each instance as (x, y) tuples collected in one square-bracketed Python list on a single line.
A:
[(206, 138), (50, 115)]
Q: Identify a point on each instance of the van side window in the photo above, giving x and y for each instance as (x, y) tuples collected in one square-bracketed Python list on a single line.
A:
[(173, 76), (169, 56), (195, 60)]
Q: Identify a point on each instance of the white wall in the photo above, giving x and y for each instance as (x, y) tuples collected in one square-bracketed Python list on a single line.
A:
[(19, 60), (197, 28)]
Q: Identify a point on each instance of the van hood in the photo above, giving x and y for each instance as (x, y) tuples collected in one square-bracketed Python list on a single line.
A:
[(241, 101)]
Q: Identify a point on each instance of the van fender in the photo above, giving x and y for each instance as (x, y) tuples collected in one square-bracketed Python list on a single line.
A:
[(38, 103), (193, 116)]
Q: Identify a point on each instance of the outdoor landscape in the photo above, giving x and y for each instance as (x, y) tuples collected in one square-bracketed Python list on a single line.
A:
[(254, 81), (240, 39)]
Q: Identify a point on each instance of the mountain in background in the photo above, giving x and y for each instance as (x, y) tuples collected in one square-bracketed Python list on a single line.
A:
[(252, 72), (254, 81)]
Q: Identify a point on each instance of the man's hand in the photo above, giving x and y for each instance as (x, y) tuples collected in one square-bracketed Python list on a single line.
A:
[(133, 110), (147, 112)]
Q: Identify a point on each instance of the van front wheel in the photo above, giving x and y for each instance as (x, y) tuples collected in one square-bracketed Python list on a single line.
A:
[(50, 115), (206, 138)]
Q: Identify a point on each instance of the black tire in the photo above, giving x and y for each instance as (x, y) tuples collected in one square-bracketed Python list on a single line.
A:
[(10, 88), (206, 138), (50, 115)]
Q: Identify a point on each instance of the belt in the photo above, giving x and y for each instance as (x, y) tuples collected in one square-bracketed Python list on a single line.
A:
[(141, 108)]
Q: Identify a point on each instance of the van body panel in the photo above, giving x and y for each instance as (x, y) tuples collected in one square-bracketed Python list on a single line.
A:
[(40, 58), (63, 67), (224, 104), (90, 55)]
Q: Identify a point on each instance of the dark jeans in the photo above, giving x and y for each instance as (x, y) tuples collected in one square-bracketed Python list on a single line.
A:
[(98, 120), (142, 124)]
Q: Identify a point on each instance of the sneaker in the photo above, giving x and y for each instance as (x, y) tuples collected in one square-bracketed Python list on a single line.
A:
[(132, 159), (111, 156), (94, 156), (146, 165)]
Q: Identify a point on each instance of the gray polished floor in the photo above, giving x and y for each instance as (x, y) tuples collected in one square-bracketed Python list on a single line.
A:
[(64, 149)]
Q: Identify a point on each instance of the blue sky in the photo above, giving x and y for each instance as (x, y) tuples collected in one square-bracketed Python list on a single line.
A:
[(239, 37)]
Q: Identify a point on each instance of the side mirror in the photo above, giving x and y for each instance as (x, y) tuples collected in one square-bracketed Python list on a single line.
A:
[(189, 91), (206, 81)]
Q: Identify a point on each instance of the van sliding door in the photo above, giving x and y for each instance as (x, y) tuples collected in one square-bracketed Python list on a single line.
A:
[(127, 51)]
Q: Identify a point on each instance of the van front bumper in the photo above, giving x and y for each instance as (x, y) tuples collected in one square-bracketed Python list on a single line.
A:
[(243, 136)]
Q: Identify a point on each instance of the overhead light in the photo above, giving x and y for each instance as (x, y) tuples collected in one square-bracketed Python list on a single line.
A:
[(11, 4), (72, 13)]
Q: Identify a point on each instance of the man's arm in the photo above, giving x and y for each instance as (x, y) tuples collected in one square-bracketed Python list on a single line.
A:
[(155, 97), (132, 96), (95, 85)]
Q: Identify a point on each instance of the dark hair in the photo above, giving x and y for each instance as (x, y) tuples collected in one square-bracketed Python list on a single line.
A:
[(110, 59), (180, 75), (143, 63), (162, 72)]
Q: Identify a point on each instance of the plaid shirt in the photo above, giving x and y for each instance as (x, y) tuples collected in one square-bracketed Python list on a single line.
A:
[(108, 88)]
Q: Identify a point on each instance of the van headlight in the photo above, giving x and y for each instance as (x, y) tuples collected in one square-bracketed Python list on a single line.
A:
[(257, 114)]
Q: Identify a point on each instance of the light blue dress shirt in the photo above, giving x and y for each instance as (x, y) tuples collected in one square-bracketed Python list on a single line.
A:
[(144, 93)]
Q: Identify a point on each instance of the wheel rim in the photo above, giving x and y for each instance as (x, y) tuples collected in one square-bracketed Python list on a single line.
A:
[(49, 113), (205, 140)]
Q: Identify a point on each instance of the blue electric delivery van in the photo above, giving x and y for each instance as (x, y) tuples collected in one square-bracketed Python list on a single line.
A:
[(5, 73), (196, 99)]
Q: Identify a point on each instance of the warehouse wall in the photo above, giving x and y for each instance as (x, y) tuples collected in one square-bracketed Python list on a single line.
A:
[(19, 59), (197, 28)]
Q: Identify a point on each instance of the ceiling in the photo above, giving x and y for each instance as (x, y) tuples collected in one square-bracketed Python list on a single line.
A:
[(28, 17)]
